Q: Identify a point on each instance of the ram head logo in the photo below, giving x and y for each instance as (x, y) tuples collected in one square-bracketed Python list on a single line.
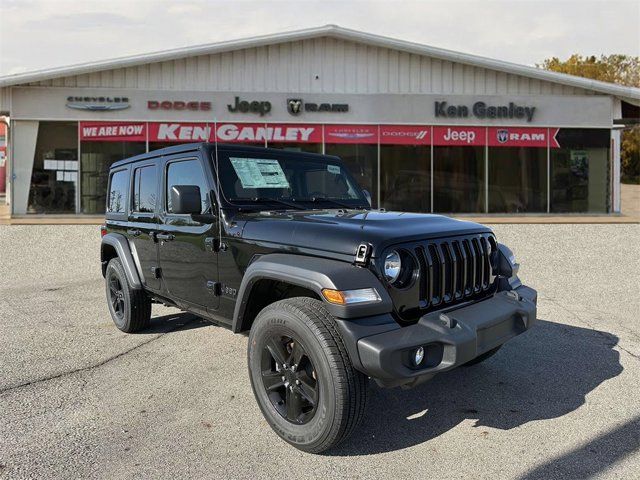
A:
[(294, 105)]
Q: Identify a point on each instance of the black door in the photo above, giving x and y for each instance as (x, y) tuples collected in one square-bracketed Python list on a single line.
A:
[(143, 223), (189, 264)]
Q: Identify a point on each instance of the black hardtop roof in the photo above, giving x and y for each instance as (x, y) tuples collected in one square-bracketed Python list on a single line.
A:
[(226, 147)]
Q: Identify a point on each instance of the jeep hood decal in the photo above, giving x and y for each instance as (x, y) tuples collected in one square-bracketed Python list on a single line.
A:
[(340, 232)]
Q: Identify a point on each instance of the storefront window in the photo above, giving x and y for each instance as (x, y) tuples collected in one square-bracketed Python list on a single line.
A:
[(458, 179), (517, 179), (96, 159), (580, 171), (54, 177), (405, 178), (362, 162)]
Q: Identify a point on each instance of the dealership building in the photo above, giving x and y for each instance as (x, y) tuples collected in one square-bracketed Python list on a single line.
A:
[(422, 128)]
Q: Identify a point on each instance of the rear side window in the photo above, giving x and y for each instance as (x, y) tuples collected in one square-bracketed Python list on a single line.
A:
[(187, 172), (118, 186), (144, 189)]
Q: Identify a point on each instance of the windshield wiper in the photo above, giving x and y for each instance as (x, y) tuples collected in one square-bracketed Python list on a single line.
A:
[(330, 200), (269, 199)]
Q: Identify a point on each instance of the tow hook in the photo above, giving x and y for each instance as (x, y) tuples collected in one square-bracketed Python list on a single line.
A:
[(513, 294)]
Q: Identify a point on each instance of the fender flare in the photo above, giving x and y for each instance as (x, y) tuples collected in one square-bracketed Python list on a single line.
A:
[(121, 245), (314, 274)]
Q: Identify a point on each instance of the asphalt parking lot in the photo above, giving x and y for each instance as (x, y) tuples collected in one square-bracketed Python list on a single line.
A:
[(80, 399)]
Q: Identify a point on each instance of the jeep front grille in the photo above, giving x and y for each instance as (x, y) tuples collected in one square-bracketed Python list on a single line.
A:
[(454, 269)]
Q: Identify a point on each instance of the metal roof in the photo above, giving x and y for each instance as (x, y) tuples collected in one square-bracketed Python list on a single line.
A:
[(325, 31)]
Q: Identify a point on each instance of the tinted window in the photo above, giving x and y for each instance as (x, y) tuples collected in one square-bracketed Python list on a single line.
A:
[(517, 179), (405, 178), (144, 190), (118, 187), (188, 172), (458, 179), (362, 162)]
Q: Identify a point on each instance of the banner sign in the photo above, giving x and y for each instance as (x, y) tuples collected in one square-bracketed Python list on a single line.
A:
[(180, 132), (522, 137), (113, 131), (235, 132), (272, 132), (258, 133), (459, 136), (351, 134), (405, 135)]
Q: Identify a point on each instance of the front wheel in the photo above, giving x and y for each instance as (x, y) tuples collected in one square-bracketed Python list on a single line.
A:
[(302, 376)]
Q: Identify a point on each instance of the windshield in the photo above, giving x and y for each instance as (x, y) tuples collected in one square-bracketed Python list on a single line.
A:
[(287, 181)]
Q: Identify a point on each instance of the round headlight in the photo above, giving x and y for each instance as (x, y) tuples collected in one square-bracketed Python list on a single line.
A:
[(392, 266)]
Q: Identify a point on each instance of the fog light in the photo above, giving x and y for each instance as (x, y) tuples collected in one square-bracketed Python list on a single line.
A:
[(419, 356)]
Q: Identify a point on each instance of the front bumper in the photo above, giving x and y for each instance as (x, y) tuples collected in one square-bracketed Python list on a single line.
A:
[(382, 349)]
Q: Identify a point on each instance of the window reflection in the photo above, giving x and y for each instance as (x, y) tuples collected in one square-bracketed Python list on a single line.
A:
[(54, 178), (96, 159), (458, 179), (580, 171), (405, 178), (362, 162), (517, 180)]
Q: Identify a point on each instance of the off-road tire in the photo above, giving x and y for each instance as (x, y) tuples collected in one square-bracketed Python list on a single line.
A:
[(342, 390), (483, 357), (135, 304)]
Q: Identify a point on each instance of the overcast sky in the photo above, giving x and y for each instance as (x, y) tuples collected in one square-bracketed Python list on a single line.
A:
[(37, 34)]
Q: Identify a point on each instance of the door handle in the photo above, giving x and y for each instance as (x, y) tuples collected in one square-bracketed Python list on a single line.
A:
[(165, 237), (134, 232)]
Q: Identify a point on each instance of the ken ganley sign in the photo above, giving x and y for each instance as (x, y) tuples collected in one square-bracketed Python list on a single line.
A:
[(485, 111), (235, 132)]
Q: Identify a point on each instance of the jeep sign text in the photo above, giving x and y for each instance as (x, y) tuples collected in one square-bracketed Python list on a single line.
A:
[(253, 106)]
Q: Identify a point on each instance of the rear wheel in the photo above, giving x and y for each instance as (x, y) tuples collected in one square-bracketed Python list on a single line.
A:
[(302, 377), (130, 309)]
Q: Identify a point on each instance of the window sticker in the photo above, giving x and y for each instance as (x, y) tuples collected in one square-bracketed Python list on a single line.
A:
[(259, 173), (335, 169)]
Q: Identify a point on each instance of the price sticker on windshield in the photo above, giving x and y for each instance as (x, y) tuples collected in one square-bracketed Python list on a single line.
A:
[(259, 173)]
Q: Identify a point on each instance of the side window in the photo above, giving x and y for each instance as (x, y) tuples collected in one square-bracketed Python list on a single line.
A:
[(144, 189), (187, 172), (118, 186)]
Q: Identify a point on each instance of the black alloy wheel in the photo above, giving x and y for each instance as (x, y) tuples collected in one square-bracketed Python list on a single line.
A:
[(130, 308), (116, 296), (290, 379), (302, 376)]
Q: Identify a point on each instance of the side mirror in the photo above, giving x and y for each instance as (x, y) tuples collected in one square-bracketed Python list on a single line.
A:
[(367, 195), (185, 199)]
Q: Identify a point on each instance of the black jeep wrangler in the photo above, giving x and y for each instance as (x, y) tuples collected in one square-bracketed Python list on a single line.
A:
[(285, 246)]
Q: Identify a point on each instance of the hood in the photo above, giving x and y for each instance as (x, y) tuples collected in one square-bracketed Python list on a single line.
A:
[(342, 232)]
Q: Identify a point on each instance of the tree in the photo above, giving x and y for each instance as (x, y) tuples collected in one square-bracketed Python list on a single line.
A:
[(630, 155), (620, 69)]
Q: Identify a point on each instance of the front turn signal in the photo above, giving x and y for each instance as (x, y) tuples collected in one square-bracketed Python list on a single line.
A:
[(351, 297)]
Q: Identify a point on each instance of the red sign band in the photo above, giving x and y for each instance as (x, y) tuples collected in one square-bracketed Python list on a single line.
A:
[(230, 132), (113, 131)]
